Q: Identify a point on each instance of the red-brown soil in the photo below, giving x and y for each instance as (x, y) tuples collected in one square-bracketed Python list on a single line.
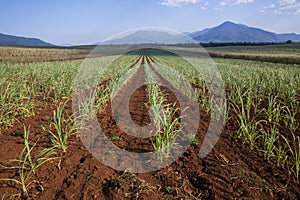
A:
[(230, 171)]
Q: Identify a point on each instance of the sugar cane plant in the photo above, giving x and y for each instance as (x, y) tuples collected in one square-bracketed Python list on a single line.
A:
[(164, 115), (28, 162), (60, 128)]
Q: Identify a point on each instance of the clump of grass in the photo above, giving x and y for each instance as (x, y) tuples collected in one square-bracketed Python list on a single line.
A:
[(249, 125), (194, 140), (273, 111), (167, 130), (166, 122), (28, 163), (281, 154), (170, 189), (115, 138), (63, 128), (290, 120), (269, 140), (294, 150)]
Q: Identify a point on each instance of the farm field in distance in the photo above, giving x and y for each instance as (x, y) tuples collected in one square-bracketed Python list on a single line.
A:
[(256, 157), (278, 53)]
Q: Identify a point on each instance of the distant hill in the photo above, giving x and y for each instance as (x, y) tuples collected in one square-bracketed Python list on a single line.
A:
[(229, 32), (148, 37), (10, 40)]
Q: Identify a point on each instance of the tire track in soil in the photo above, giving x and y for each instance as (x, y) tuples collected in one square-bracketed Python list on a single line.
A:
[(138, 112)]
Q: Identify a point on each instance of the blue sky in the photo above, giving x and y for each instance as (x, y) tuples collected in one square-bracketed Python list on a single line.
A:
[(85, 22)]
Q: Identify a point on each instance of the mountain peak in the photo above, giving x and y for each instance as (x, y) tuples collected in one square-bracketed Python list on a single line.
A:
[(228, 23), (229, 32)]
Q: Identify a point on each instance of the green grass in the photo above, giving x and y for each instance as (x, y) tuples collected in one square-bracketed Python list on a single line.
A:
[(115, 138)]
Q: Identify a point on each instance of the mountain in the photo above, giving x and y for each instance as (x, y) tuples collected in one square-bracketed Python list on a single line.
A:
[(289, 36), (195, 34), (148, 36), (9, 40), (229, 32)]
